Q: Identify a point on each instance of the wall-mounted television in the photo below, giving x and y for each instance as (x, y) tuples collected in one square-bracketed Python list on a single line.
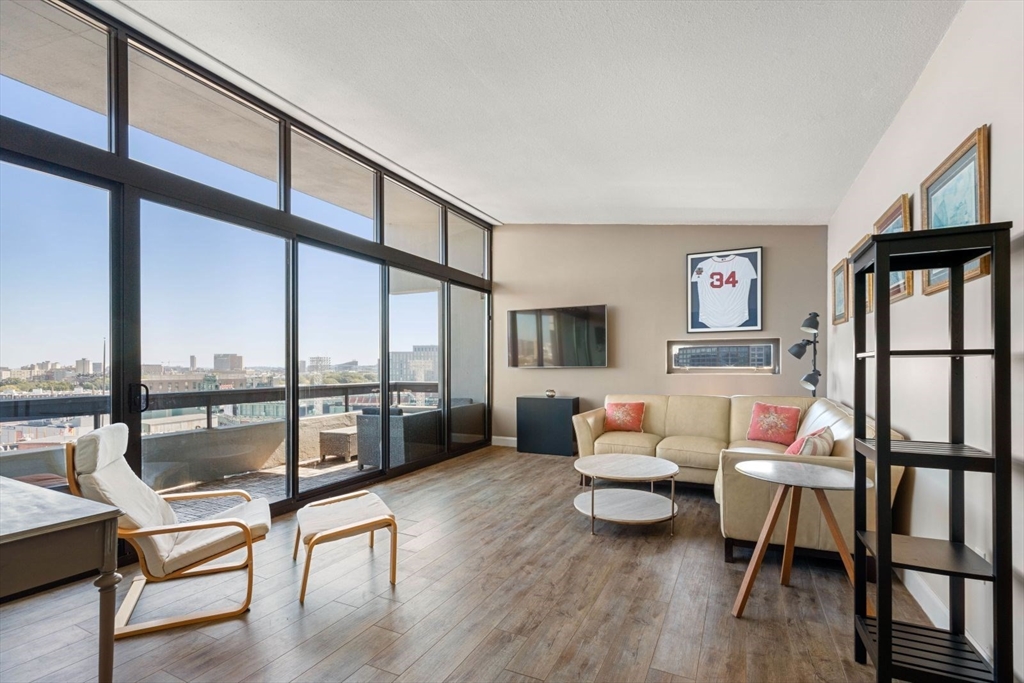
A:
[(570, 337)]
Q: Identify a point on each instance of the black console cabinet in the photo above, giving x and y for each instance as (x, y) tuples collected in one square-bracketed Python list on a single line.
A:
[(544, 425)]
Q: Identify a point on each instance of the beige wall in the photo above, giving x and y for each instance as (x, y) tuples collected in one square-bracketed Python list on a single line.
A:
[(976, 76), (639, 271)]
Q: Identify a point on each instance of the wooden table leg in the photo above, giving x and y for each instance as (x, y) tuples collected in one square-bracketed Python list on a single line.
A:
[(787, 552), (107, 583), (837, 538), (759, 551)]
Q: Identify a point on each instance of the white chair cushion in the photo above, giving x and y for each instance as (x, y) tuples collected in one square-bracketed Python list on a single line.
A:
[(314, 519), (192, 546), (101, 447)]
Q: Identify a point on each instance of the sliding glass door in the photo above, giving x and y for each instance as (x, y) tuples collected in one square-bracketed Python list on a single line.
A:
[(468, 415), (213, 350), (338, 367)]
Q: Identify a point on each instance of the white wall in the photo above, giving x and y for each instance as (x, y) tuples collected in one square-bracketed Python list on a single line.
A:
[(976, 76), (639, 271)]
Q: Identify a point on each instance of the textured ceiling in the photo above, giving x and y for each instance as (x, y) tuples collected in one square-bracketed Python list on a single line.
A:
[(583, 112)]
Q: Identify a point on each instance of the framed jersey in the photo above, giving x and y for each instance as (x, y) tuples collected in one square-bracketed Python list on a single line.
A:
[(725, 291)]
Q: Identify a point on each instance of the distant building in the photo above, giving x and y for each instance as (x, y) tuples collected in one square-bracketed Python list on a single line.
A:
[(192, 363), (228, 362), (302, 367), (152, 370), (418, 365), (83, 366), (5, 373), (320, 364), (97, 368)]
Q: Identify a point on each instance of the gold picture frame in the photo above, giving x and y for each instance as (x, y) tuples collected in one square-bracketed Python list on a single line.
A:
[(897, 219), (840, 287), (870, 282), (947, 201)]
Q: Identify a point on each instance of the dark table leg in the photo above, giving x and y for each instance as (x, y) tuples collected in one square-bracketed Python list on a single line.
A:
[(107, 583)]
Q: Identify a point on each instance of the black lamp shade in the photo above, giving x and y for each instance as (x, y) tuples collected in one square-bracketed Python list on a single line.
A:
[(810, 324), (810, 381), (798, 350)]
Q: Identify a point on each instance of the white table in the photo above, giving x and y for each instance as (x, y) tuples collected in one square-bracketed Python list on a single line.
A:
[(627, 506), (793, 476)]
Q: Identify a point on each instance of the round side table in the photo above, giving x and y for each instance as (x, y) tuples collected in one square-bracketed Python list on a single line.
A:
[(793, 476)]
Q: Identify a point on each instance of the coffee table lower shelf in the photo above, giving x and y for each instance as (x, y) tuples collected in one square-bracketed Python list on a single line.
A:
[(924, 653), (627, 506)]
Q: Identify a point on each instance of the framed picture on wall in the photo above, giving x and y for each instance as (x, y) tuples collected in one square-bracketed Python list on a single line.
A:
[(840, 283), (897, 219), (870, 282), (956, 194), (725, 291)]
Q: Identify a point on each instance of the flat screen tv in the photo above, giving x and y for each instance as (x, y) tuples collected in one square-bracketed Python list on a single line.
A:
[(572, 337)]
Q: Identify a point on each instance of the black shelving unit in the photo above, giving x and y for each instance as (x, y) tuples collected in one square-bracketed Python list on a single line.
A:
[(900, 650)]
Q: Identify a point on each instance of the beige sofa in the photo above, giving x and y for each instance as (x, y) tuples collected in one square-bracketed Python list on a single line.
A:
[(706, 437)]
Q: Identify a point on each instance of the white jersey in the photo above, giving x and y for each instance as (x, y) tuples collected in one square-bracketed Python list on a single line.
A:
[(723, 287)]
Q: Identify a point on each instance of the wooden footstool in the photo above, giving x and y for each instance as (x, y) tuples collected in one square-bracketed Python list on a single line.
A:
[(340, 517)]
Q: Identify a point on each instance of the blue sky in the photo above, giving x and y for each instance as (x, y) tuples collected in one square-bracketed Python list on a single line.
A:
[(207, 286)]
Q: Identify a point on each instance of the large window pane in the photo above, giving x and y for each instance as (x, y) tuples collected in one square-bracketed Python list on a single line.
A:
[(414, 314), (468, 353), (53, 70), (330, 188), (54, 325), (339, 367), (467, 246), (213, 354), (411, 222), (183, 125)]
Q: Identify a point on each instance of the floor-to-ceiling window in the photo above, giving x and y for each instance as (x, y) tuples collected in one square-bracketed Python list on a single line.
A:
[(54, 319), (338, 367), (185, 259), (213, 353), (415, 369)]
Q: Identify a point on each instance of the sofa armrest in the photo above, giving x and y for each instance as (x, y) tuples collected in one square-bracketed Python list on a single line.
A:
[(588, 426), (744, 501)]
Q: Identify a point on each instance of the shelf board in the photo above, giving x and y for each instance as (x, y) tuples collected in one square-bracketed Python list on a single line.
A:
[(923, 653), (933, 353), (932, 555), (931, 455)]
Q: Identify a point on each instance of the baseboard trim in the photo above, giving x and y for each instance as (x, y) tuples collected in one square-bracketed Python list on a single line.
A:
[(509, 441)]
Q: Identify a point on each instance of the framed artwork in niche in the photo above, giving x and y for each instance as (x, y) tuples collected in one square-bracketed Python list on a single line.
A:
[(849, 284), (840, 283), (725, 291), (897, 219), (956, 194)]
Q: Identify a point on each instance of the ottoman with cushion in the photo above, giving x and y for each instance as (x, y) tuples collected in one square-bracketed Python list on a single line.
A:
[(341, 517)]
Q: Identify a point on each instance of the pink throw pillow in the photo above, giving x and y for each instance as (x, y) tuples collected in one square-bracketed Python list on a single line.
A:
[(777, 424), (624, 417), (819, 442)]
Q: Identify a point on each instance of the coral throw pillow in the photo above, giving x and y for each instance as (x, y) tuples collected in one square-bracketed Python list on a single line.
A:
[(815, 443), (777, 424), (624, 417)]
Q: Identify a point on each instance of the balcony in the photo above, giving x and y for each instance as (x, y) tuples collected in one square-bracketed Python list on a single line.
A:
[(238, 438)]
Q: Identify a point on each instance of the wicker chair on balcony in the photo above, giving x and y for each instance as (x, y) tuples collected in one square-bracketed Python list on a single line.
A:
[(167, 549)]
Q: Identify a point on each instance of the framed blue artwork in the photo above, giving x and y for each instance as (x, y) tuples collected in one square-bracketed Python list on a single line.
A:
[(725, 291)]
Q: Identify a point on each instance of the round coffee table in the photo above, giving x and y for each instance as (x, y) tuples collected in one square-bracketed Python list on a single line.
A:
[(627, 506), (793, 476)]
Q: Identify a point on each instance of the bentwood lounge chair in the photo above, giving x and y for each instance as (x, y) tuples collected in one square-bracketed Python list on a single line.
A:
[(167, 549)]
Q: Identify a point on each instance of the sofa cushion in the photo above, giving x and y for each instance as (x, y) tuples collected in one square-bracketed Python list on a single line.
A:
[(654, 409), (691, 451), (624, 417), (757, 446), (777, 424), (816, 443), (698, 416), (743, 408), (633, 443)]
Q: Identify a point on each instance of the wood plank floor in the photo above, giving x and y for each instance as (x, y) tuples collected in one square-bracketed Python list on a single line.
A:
[(499, 580)]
